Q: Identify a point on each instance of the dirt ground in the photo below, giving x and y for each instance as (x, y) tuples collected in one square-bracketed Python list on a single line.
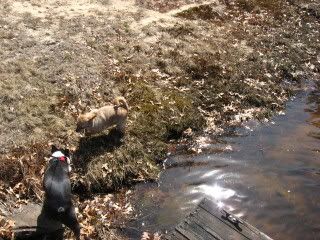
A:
[(186, 67)]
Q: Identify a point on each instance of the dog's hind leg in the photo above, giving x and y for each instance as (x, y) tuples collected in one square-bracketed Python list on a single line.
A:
[(57, 235), (70, 221)]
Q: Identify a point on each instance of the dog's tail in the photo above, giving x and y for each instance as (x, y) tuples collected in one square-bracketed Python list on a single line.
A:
[(121, 102)]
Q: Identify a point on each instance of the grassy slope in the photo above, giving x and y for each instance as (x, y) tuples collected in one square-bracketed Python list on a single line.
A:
[(203, 68), (207, 67)]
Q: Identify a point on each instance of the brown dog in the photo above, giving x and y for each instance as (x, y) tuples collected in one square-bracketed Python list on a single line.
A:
[(99, 119)]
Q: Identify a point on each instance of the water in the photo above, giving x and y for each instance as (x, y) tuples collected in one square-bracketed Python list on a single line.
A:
[(270, 178)]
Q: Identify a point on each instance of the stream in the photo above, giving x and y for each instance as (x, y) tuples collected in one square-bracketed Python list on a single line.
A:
[(266, 173)]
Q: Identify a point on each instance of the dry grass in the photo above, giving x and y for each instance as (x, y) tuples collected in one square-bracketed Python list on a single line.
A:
[(270, 5), (202, 69), (165, 5), (208, 72)]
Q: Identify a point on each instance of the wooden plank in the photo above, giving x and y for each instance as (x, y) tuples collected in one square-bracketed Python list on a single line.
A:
[(174, 236), (207, 228), (178, 235), (218, 221), (261, 235), (188, 232), (224, 229), (196, 227), (208, 222), (29, 222), (246, 229), (202, 228)]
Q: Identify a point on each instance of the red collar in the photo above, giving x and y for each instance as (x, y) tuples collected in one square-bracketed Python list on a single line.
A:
[(63, 158)]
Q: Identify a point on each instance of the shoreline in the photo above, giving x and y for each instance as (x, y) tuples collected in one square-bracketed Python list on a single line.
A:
[(184, 71)]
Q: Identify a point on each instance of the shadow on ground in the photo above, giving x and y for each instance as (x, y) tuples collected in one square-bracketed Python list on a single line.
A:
[(90, 147)]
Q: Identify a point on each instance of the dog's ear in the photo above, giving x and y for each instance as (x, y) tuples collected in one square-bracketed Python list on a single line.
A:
[(66, 152), (54, 148), (92, 115)]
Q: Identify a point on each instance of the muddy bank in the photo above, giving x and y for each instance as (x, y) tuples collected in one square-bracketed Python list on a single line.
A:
[(184, 66)]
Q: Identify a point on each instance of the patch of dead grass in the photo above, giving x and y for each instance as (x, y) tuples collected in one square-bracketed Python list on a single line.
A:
[(178, 75)]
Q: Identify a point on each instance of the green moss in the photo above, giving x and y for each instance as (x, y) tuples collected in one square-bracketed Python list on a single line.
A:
[(162, 113), (255, 100), (156, 116), (126, 164), (274, 6), (204, 12), (186, 115)]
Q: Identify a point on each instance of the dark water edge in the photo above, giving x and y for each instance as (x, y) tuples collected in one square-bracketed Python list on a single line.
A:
[(268, 174)]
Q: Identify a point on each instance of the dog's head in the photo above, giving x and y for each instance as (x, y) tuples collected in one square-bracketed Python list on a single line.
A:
[(57, 152), (62, 155), (84, 121), (120, 102)]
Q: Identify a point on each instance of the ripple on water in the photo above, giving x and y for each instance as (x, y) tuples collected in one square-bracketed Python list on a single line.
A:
[(271, 177)]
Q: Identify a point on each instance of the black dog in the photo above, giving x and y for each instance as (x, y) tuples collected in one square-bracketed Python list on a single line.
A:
[(57, 204)]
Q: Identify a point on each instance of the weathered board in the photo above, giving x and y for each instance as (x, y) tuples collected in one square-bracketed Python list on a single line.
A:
[(30, 223), (209, 222)]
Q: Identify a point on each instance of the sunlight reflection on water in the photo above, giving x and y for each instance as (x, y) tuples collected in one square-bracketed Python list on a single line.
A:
[(214, 192), (271, 178)]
